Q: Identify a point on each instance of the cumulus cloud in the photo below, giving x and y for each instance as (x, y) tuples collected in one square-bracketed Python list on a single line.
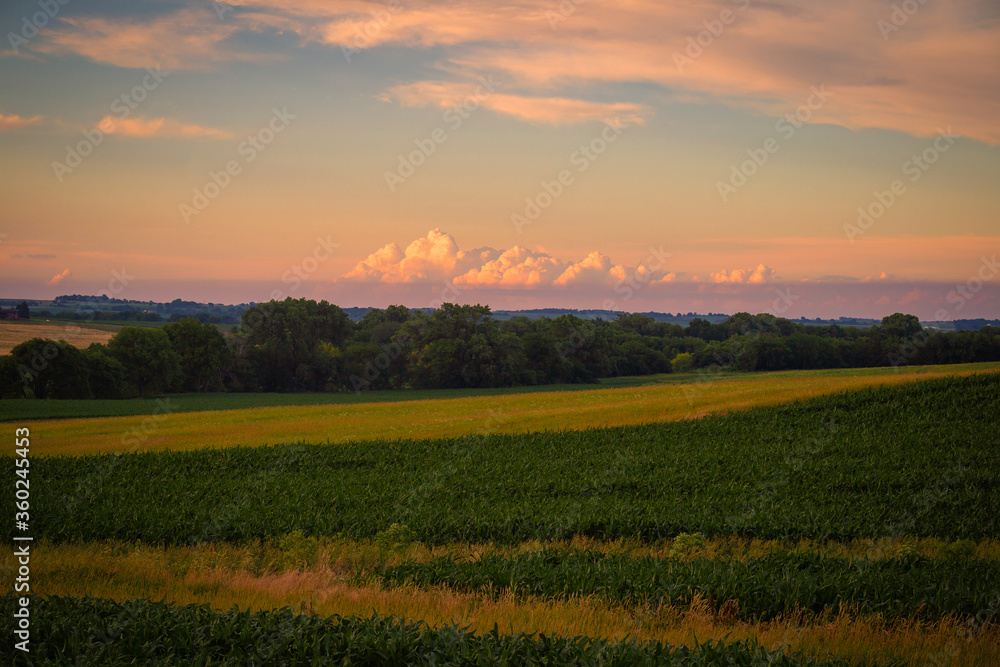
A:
[(433, 257), (761, 274), (437, 257), (59, 277), (517, 267)]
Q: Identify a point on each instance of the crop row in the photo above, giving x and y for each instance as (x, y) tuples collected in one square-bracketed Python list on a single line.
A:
[(104, 632), (760, 589), (920, 460)]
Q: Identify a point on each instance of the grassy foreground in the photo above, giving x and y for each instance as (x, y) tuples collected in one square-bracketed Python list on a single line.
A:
[(153, 633), (854, 528), (436, 418), (321, 577)]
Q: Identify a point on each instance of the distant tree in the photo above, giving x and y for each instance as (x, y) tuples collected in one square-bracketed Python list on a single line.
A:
[(281, 341), (205, 359), (22, 311), (462, 346), (151, 365), (682, 363), (899, 325), (51, 369), (105, 374), (11, 385)]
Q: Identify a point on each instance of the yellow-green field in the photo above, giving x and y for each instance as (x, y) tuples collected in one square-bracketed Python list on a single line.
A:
[(441, 418), (18, 331)]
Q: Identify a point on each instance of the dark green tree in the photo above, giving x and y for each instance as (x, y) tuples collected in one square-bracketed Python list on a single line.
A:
[(11, 385), (51, 369), (899, 325), (22, 311), (288, 343), (151, 365), (105, 374), (205, 359)]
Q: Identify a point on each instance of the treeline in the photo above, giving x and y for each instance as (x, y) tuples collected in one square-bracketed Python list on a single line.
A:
[(303, 345)]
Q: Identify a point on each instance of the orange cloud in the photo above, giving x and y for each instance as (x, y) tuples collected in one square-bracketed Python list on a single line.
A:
[(189, 39), (937, 70), (59, 277), (157, 127), (544, 110), (437, 257), (434, 257), (762, 274), (517, 267), (14, 122)]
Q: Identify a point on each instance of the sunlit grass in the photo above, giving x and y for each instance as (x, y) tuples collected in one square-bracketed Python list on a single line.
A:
[(439, 418), (260, 576)]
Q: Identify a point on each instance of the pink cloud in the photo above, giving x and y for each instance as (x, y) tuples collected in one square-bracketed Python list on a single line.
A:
[(937, 70), (761, 274), (542, 110), (15, 122), (437, 257), (158, 127), (59, 277), (916, 294), (433, 257)]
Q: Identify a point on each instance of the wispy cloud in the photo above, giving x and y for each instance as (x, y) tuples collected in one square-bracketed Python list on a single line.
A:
[(938, 70), (158, 127), (59, 277), (542, 110), (15, 122)]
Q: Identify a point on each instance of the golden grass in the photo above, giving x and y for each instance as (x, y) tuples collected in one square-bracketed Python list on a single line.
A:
[(18, 331), (220, 576), (440, 418)]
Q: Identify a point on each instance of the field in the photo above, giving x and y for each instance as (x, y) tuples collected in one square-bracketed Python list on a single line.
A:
[(27, 409), (855, 524), (171, 427), (18, 331)]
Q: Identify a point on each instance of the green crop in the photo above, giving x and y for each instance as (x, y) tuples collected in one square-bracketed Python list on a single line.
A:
[(763, 588), (90, 631), (920, 459)]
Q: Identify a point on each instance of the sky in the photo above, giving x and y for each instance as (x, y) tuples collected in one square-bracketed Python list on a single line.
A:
[(798, 158)]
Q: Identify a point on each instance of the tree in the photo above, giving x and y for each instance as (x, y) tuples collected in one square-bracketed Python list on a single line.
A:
[(151, 365), (10, 382), (205, 359), (105, 374), (22, 311), (282, 342), (462, 346), (899, 325), (51, 369)]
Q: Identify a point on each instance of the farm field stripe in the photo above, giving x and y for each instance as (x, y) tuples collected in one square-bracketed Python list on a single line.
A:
[(918, 459), (870, 640), (82, 628), (439, 418), (763, 588), (33, 411)]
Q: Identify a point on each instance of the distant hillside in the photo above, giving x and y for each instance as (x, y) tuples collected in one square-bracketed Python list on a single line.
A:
[(72, 305)]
